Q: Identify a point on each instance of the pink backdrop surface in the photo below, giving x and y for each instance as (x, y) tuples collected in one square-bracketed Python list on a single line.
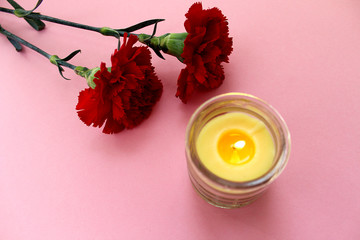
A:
[(60, 179)]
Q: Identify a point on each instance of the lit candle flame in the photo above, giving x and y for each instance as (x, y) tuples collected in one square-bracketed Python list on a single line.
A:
[(239, 144)]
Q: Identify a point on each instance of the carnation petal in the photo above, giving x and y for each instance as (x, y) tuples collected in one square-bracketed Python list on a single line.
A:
[(117, 108), (211, 53), (200, 72), (186, 85), (194, 15), (113, 126), (213, 31)]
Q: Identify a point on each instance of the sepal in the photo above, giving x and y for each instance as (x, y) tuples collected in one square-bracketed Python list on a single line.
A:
[(170, 43), (88, 74)]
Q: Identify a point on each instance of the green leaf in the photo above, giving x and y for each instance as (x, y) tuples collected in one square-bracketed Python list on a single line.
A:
[(62, 70), (37, 5), (158, 53), (140, 25), (37, 24), (14, 4), (71, 55), (154, 30), (16, 44), (20, 12)]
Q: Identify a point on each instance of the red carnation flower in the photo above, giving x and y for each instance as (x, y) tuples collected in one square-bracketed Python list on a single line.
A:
[(203, 48), (206, 46), (123, 96)]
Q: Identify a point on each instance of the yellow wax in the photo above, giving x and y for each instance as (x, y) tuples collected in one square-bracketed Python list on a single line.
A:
[(236, 147)]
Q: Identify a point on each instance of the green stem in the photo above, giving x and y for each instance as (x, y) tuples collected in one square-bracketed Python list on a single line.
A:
[(33, 47), (6, 10), (64, 22), (24, 42), (103, 30)]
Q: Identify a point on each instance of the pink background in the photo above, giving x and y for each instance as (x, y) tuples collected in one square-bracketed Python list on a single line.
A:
[(60, 179)]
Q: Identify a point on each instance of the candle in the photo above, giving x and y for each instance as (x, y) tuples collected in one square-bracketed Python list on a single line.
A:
[(236, 145)]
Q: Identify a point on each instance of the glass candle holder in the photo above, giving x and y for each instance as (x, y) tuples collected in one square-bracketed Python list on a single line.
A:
[(236, 146)]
